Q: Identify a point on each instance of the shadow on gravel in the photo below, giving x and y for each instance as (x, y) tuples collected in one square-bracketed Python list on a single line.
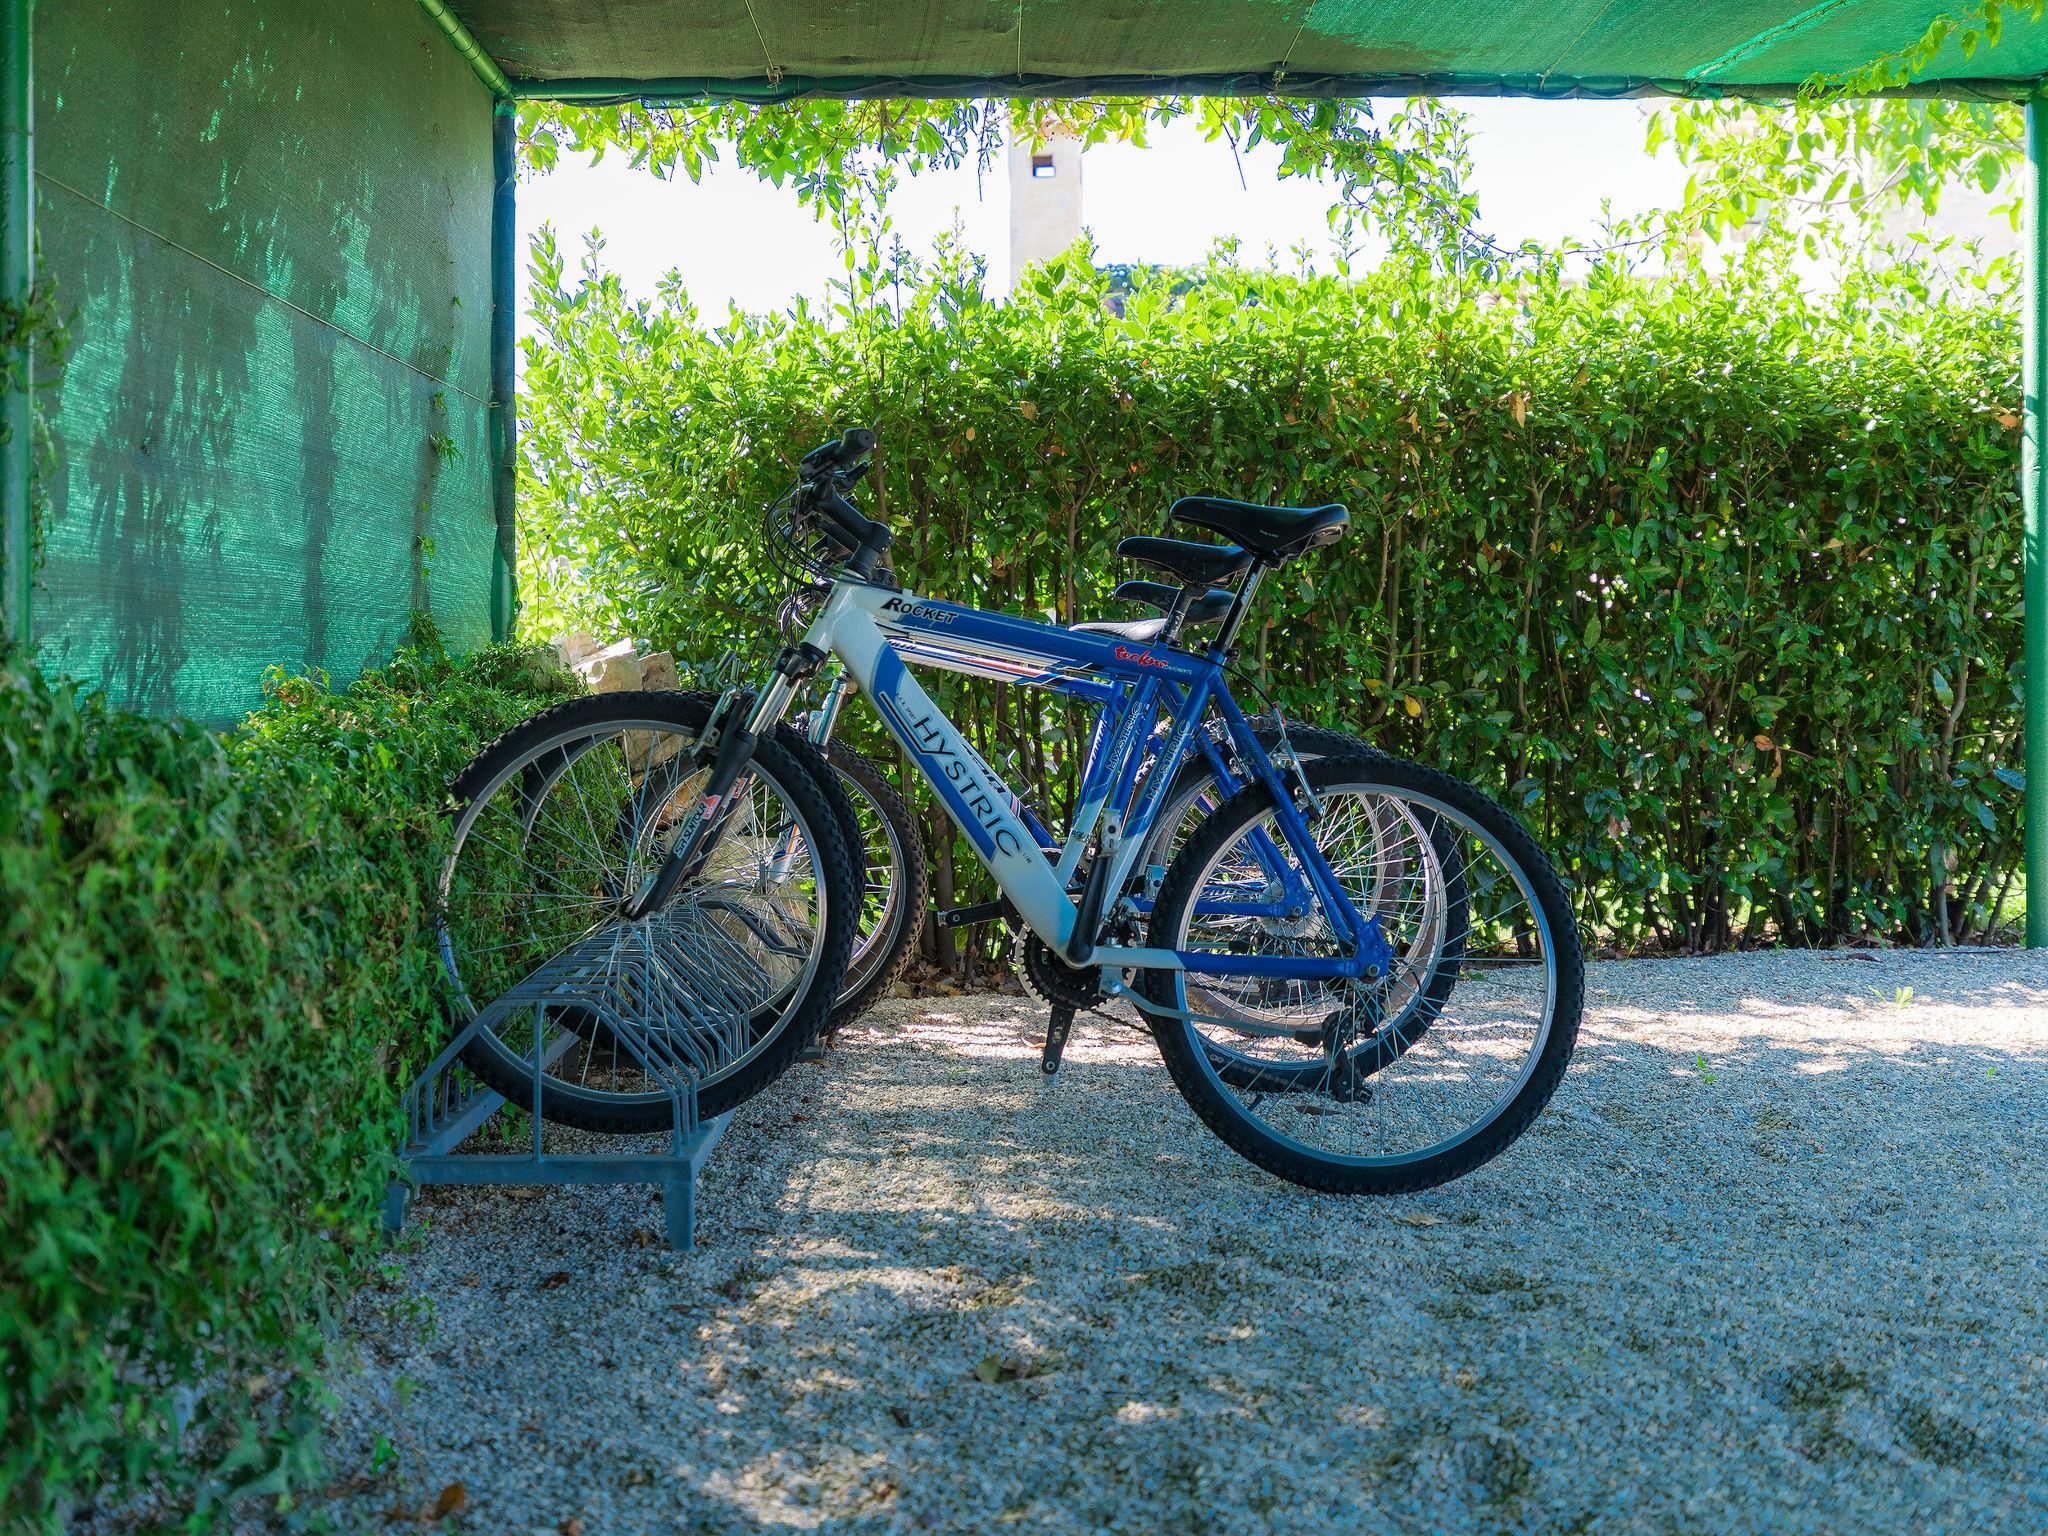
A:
[(1753, 1272)]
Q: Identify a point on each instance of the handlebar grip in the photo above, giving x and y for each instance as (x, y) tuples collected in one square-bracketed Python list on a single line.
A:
[(855, 444)]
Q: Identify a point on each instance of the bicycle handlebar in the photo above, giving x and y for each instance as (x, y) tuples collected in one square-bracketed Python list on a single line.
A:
[(854, 445), (823, 476)]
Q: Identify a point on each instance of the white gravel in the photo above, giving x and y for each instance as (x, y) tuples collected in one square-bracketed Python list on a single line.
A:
[(1773, 1260)]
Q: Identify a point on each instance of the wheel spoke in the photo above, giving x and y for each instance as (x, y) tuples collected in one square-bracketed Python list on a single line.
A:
[(541, 864)]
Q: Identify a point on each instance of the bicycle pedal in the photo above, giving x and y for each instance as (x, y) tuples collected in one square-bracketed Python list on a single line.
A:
[(1057, 1028)]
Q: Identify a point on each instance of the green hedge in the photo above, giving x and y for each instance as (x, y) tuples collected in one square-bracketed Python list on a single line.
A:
[(1716, 581), (214, 985)]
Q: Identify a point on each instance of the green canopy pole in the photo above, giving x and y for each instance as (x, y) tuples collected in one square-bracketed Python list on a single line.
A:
[(504, 334), (2034, 498), (17, 279), (481, 63)]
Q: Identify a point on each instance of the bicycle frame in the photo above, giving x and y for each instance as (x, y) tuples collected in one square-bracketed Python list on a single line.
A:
[(873, 631), (1111, 703), (821, 721)]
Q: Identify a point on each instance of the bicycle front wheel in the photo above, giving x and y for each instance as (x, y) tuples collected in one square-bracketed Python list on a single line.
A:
[(1374, 1085), (562, 822)]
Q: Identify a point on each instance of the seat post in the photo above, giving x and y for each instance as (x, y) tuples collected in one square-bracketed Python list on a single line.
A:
[(1227, 634), (1177, 615)]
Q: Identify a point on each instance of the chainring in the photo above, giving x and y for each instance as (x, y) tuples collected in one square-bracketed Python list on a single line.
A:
[(1054, 982)]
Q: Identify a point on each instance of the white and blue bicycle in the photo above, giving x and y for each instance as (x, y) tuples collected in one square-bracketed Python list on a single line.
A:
[(1361, 973)]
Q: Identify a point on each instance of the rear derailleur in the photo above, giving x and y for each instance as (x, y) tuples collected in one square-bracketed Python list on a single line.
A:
[(1347, 1081)]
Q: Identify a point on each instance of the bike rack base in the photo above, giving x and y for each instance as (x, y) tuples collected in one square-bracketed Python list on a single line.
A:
[(674, 1173), (446, 1105)]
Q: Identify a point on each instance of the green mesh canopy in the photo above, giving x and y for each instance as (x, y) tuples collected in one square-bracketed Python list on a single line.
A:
[(280, 225), (770, 49), (271, 438)]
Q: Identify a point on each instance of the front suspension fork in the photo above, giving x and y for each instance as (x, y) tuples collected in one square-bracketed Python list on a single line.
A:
[(819, 727), (795, 665)]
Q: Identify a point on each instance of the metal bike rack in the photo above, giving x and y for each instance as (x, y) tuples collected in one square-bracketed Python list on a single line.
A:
[(625, 980)]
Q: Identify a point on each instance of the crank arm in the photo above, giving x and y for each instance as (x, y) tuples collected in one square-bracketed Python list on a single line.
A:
[(1056, 1031)]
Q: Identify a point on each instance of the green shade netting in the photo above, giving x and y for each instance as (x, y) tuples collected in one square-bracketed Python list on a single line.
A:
[(766, 48), (273, 220)]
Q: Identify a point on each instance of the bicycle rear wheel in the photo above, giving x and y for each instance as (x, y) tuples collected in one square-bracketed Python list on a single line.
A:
[(560, 823), (1435, 933), (894, 882), (1363, 1090)]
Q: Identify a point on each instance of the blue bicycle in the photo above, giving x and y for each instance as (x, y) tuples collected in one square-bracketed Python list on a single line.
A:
[(1361, 973), (892, 848)]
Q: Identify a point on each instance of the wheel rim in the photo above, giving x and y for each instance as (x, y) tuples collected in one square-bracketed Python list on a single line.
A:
[(542, 857), (1441, 1084)]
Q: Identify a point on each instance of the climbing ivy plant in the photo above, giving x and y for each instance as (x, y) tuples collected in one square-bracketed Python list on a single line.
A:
[(1402, 176)]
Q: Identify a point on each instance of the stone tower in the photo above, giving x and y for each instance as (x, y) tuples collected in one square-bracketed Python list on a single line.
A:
[(1045, 200)]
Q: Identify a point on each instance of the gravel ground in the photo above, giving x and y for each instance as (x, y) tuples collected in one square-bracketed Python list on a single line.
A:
[(1771, 1261)]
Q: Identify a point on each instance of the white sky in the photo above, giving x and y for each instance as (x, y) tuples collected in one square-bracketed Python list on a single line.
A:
[(1541, 171)]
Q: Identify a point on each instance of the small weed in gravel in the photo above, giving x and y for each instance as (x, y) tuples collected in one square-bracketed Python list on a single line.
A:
[(1938, 1437), (1816, 1394), (1523, 1293), (1196, 1280), (1820, 1386), (1499, 1469)]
